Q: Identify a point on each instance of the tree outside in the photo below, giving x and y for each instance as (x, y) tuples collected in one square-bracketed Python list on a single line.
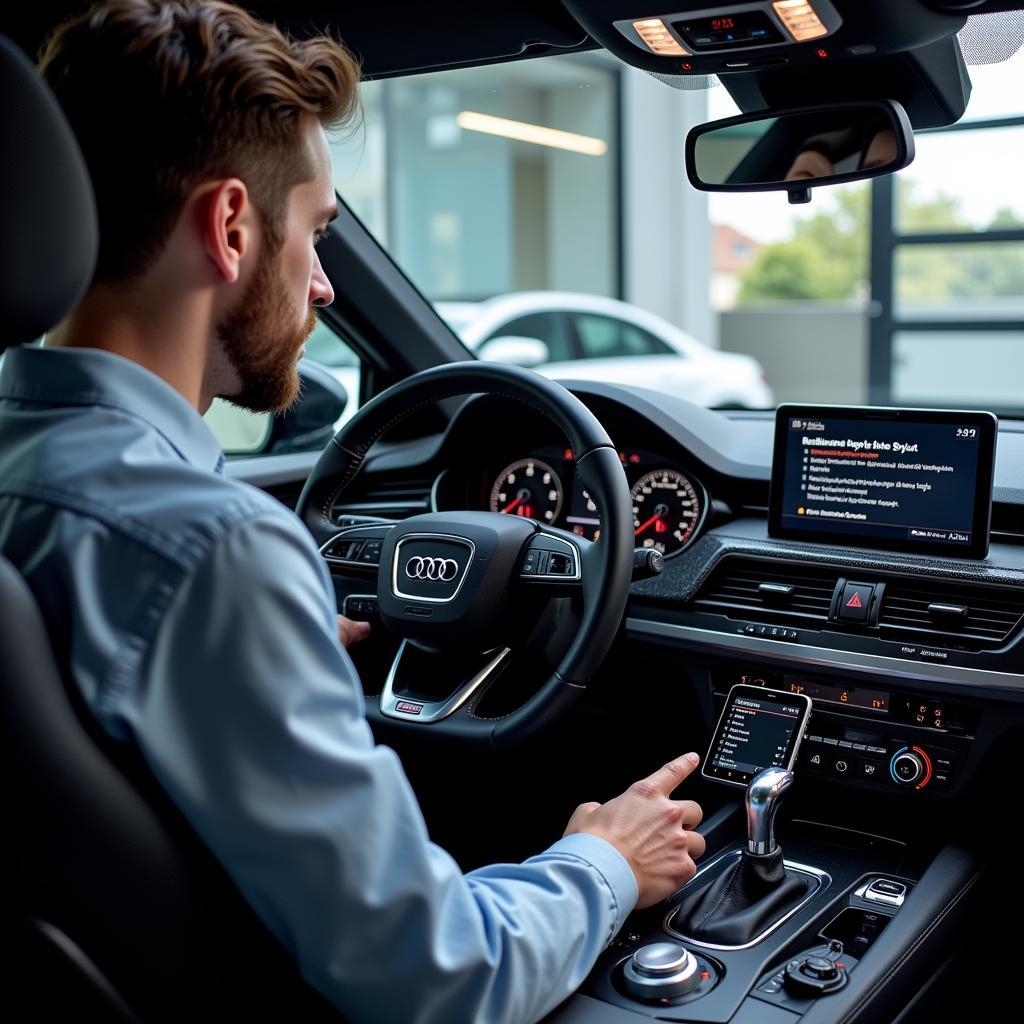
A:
[(827, 257)]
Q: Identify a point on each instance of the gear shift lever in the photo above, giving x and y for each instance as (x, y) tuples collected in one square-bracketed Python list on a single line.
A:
[(754, 891), (763, 798)]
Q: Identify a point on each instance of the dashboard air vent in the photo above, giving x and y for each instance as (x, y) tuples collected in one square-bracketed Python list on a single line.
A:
[(975, 616), (390, 500), (787, 591)]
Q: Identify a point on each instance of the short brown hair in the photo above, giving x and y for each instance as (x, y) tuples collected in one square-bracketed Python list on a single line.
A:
[(166, 94)]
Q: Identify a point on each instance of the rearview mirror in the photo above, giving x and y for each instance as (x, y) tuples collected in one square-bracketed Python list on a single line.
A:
[(516, 350), (792, 150)]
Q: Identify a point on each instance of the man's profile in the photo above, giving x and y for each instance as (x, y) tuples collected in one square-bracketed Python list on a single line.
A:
[(193, 613)]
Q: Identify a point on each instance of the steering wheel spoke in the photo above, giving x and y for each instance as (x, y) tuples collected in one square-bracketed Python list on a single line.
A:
[(405, 698)]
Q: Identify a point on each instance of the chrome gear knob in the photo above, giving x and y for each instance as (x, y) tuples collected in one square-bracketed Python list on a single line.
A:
[(763, 798)]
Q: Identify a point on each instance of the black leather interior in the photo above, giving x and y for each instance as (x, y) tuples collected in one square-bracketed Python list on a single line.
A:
[(133, 892), (50, 237), (742, 902)]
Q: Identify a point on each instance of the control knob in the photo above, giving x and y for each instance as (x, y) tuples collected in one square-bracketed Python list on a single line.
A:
[(911, 767), (661, 970)]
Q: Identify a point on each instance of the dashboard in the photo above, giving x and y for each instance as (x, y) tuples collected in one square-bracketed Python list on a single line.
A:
[(915, 660)]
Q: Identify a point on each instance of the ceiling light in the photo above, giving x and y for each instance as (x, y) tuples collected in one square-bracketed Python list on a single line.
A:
[(799, 18), (535, 133), (658, 39)]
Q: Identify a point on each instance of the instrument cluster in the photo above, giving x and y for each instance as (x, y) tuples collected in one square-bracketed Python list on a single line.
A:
[(669, 505)]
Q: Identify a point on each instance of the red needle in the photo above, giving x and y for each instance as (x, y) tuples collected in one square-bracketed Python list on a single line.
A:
[(508, 508), (640, 529)]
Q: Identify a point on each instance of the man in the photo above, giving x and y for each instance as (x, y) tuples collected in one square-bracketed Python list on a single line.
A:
[(193, 612)]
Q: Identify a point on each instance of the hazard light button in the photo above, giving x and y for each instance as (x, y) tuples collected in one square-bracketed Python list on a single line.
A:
[(855, 602)]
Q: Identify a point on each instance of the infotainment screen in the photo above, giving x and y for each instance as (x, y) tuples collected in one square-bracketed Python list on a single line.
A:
[(906, 479)]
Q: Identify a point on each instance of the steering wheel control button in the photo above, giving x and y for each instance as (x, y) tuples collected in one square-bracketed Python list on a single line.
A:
[(551, 558), (362, 608), (662, 970), (345, 548), (370, 555), (855, 602)]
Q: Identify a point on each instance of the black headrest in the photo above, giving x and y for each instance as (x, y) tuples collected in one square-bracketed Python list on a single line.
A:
[(49, 232)]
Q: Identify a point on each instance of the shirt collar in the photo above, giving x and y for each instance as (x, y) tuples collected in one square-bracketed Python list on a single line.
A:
[(92, 376)]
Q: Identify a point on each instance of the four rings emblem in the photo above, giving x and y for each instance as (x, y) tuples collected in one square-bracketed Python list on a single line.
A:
[(425, 568)]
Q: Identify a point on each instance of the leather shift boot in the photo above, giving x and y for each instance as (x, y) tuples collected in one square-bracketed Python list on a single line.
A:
[(747, 898)]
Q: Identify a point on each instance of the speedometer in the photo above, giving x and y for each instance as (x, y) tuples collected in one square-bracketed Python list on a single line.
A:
[(528, 488), (667, 510)]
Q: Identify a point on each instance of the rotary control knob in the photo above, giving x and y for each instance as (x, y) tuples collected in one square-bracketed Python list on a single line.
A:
[(661, 970), (819, 967), (817, 973), (911, 766)]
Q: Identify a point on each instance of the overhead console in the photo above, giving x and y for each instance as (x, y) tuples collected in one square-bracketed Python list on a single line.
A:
[(763, 49)]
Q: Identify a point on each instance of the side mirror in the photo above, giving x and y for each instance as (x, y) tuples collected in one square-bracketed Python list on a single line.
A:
[(792, 150), (309, 424), (519, 351)]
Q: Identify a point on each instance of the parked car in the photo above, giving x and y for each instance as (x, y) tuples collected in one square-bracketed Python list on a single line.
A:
[(590, 337)]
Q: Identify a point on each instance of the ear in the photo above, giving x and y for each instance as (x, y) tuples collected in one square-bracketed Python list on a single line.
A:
[(225, 219)]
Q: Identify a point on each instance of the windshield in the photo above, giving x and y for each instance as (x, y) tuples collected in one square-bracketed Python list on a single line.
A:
[(555, 189)]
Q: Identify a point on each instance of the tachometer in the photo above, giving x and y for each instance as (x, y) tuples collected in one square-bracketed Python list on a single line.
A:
[(667, 509), (529, 488)]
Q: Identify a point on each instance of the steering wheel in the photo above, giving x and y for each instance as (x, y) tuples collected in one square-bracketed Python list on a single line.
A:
[(453, 585)]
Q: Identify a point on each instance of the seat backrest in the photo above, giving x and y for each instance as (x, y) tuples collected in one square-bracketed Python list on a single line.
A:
[(112, 908), (106, 871)]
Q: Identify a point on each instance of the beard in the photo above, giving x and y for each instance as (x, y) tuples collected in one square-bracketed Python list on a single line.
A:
[(261, 339)]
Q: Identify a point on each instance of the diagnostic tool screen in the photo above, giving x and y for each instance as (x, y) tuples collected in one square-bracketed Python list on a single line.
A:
[(758, 729), (914, 480)]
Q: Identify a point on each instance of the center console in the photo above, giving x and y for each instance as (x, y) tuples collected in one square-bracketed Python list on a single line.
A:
[(866, 921)]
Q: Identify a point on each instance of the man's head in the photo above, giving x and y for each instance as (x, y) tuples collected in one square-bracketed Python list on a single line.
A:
[(203, 130)]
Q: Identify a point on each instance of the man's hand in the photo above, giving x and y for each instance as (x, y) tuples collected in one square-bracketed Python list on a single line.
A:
[(351, 632), (653, 832)]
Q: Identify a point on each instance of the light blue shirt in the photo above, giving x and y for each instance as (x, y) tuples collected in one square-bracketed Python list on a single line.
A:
[(197, 619)]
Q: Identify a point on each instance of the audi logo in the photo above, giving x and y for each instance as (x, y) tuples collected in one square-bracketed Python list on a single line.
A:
[(440, 569)]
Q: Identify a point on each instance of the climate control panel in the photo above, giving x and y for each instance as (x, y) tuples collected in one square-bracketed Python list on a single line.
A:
[(884, 737), (887, 761)]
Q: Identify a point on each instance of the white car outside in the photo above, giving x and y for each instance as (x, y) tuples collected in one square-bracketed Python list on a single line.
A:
[(590, 337)]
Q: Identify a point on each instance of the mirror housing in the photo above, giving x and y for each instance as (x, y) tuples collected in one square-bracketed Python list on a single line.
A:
[(309, 423), (793, 150), (516, 350)]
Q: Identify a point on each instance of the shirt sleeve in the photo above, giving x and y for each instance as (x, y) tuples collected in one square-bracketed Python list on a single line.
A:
[(250, 714)]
